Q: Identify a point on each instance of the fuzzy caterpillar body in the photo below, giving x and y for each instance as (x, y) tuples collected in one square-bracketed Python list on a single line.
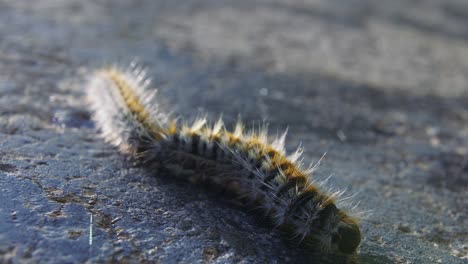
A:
[(241, 162)]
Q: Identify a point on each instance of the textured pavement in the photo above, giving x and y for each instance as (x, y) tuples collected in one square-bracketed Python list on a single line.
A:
[(381, 87)]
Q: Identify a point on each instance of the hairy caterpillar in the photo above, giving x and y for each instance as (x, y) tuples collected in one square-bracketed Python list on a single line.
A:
[(241, 162)]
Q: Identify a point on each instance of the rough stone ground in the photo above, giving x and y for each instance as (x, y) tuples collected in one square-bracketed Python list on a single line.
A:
[(381, 86)]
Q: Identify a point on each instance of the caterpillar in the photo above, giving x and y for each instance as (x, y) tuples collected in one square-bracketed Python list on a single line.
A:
[(241, 162)]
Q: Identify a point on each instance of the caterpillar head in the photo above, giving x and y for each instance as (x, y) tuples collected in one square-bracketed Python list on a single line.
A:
[(348, 236), (339, 232), (330, 231)]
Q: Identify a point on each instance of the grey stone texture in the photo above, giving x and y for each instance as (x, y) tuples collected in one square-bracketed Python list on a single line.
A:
[(381, 86)]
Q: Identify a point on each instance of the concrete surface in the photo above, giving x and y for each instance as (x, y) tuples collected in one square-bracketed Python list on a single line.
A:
[(379, 86)]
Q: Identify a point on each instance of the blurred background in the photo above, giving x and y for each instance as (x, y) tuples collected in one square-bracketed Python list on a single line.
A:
[(381, 86)]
